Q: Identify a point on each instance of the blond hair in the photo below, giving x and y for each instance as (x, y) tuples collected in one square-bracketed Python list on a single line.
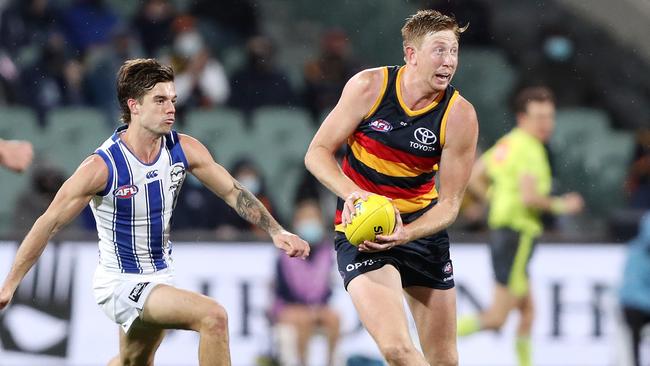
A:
[(424, 22)]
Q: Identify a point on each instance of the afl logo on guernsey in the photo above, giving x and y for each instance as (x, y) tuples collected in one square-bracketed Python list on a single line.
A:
[(380, 125), (125, 192)]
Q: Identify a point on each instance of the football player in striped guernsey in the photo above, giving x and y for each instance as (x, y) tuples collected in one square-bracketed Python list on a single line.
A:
[(402, 124), (132, 182)]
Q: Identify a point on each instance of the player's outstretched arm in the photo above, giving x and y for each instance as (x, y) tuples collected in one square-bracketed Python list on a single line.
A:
[(566, 204), (70, 200), (357, 99), (219, 181)]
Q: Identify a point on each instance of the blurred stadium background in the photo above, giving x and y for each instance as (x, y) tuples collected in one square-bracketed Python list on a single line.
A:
[(255, 78)]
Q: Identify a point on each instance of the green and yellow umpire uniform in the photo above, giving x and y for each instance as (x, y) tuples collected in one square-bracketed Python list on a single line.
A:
[(514, 227)]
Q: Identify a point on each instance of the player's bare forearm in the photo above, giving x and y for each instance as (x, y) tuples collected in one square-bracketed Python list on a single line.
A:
[(253, 211), (438, 218), (321, 163), (29, 251)]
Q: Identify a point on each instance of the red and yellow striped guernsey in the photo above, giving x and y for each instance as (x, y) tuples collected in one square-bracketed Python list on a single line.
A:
[(395, 150)]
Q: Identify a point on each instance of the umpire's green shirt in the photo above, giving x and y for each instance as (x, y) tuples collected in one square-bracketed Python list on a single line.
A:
[(516, 154)]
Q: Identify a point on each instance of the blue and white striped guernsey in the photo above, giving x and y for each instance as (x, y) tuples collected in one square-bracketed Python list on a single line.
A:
[(133, 212)]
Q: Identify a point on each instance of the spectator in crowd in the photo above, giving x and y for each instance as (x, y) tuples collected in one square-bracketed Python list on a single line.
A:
[(16, 155), (259, 82), (635, 288), (638, 179), (201, 80), (153, 23), (55, 79), (102, 65), (326, 75), (88, 23), (25, 24), (197, 208), (300, 308), (250, 176), (45, 182), (229, 24)]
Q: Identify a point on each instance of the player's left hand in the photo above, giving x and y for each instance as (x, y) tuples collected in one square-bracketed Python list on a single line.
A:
[(399, 236), (291, 243)]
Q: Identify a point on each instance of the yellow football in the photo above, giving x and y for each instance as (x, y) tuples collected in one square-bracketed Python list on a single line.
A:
[(375, 216)]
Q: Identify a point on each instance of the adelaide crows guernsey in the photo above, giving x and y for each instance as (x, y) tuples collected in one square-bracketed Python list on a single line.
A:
[(395, 151), (133, 212)]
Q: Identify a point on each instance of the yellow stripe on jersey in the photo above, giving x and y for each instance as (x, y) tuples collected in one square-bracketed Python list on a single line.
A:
[(408, 110), (381, 94), (415, 203), (382, 166), (443, 124)]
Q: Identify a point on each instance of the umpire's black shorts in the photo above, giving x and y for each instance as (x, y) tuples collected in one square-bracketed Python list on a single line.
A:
[(422, 262), (511, 252)]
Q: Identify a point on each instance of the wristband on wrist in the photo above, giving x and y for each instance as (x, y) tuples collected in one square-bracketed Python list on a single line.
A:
[(558, 206)]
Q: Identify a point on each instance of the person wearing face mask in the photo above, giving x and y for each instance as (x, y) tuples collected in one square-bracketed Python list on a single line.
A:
[(201, 80), (228, 225), (302, 290)]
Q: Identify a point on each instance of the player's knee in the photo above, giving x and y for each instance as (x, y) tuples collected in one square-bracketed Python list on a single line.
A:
[(215, 321), (494, 321), (398, 353)]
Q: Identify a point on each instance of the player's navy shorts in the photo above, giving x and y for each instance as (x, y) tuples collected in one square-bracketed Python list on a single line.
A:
[(423, 262), (511, 252)]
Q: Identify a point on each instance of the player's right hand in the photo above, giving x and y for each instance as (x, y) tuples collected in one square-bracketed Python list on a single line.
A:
[(291, 243), (573, 202), (348, 206), (5, 297)]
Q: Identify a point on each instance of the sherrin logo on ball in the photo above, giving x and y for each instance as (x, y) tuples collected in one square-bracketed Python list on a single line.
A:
[(375, 216)]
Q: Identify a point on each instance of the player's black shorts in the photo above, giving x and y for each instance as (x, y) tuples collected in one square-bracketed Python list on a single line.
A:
[(423, 262), (511, 252)]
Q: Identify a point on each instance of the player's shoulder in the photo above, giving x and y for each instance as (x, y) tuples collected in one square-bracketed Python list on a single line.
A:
[(369, 80), (463, 109)]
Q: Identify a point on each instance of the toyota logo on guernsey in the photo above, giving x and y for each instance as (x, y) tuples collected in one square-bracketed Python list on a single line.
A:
[(425, 138)]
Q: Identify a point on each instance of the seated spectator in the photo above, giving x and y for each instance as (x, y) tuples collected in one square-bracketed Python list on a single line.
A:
[(26, 23), (198, 208), (101, 66), (229, 24), (153, 23), (250, 176), (259, 82), (326, 75), (31, 204), (55, 79), (302, 290), (200, 78), (88, 23)]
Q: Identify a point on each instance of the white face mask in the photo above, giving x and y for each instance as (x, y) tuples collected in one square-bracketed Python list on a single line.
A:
[(188, 44), (251, 183), (310, 230)]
